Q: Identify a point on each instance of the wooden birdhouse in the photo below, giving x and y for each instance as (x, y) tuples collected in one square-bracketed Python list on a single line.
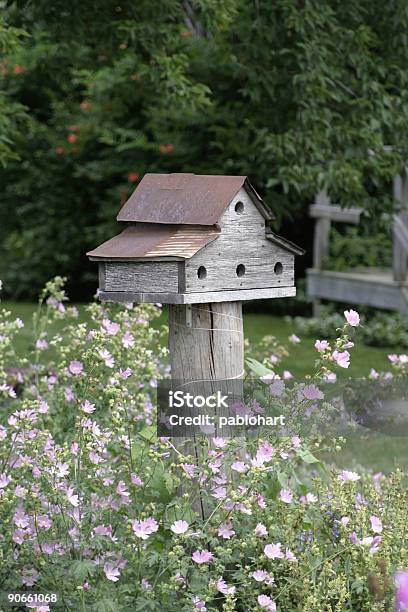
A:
[(202, 245), (195, 239)]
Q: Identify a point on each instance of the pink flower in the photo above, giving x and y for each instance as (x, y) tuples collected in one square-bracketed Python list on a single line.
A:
[(69, 394), (202, 556), (136, 480), (277, 388), (43, 407), (264, 452), (106, 357), (266, 602), (20, 518), (219, 493), (219, 442), (346, 476), (110, 328), (372, 542), (41, 344), (179, 527), (296, 441), (289, 555), (273, 551), (239, 466), (352, 318), (87, 407), (103, 530), (122, 490), (311, 497), (294, 339), (287, 375), (76, 368), (61, 469), (143, 529), (260, 530), (223, 587), (321, 345), (128, 340), (72, 498), (44, 522), (38, 607), (260, 575), (4, 480), (376, 524), (401, 582), (124, 374), (199, 604), (111, 572), (342, 358), (311, 392), (225, 531), (18, 536), (30, 576), (286, 496)]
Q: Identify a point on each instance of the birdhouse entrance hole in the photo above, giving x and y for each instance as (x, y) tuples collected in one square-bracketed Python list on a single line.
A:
[(240, 270), (278, 268), (202, 272), (239, 208)]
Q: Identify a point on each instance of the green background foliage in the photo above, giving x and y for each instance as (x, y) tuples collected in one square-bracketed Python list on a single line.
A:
[(297, 95)]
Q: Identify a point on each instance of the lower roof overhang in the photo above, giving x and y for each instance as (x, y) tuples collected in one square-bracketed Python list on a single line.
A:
[(240, 295)]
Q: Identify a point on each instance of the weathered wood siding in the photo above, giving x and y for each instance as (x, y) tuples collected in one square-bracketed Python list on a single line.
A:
[(242, 242), (149, 277), (198, 298)]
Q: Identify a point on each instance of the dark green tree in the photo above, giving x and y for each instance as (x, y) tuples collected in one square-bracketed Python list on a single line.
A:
[(298, 95)]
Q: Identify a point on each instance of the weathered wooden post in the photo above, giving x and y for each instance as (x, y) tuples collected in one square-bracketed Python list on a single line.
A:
[(325, 212), (202, 245), (400, 229)]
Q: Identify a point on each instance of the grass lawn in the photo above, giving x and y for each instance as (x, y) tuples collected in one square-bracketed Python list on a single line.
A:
[(375, 452), (302, 356), (256, 327)]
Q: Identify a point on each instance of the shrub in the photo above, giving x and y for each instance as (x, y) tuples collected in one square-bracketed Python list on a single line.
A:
[(97, 508), (379, 329)]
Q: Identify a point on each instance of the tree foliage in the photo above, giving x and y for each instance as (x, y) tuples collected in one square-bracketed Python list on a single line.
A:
[(298, 95)]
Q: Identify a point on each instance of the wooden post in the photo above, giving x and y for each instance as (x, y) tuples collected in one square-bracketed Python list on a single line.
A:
[(320, 242), (400, 226), (206, 342), (211, 347)]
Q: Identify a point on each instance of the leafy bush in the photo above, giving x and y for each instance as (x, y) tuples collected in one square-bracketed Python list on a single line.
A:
[(97, 95), (353, 249), (381, 329), (97, 508)]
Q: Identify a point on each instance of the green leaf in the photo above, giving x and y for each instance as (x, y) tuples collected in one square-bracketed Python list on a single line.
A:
[(258, 368), (82, 569), (106, 605), (306, 455)]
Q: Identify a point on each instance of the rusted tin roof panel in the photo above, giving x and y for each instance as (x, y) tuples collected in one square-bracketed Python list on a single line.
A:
[(190, 199), (150, 241)]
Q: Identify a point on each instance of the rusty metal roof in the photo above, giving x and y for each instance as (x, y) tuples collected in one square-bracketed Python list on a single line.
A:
[(190, 199), (147, 240)]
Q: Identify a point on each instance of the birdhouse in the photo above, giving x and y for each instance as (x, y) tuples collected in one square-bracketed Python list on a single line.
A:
[(193, 239)]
